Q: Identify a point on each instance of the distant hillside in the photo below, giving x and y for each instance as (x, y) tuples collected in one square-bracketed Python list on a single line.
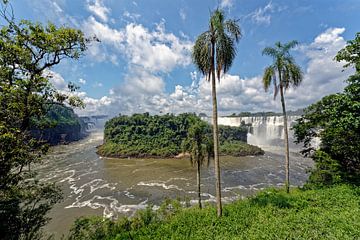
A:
[(60, 125), (298, 112)]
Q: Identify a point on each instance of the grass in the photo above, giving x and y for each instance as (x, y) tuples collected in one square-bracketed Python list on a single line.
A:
[(332, 213)]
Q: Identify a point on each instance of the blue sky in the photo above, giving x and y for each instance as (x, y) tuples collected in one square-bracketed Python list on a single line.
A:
[(143, 62)]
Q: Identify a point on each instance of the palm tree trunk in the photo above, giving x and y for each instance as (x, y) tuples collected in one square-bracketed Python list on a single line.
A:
[(198, 182), (286, 139), (215, 134)]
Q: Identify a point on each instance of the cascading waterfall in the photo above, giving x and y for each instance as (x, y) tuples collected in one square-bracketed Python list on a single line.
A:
[(263, 130)]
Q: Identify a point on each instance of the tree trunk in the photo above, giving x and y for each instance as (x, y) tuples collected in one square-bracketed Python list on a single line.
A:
[(286, 139), (215, 134), (198, 182)]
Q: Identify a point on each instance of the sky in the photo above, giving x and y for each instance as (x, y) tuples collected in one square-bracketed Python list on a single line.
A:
[(143, 60)]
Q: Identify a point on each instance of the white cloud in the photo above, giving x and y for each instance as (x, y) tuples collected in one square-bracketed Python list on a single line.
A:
[(82, 81), (155, 51), (132, 16), (56, 80), (53, 10), (323, 75), (144, 91), (182, 14), (98, 8), (262, 15), (102, 31), (226, 3)]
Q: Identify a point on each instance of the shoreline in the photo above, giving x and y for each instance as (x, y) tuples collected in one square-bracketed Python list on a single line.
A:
[(178, 156)]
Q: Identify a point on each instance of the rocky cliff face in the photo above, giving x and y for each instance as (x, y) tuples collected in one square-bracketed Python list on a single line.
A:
[(61, 134), (62, 126)]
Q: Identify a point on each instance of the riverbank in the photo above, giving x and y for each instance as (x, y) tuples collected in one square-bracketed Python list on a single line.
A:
[(331, 213), (114, 188), (227, 148)]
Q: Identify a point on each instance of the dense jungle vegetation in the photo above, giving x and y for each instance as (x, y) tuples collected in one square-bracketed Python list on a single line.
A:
[(330, 213), (143, 135)]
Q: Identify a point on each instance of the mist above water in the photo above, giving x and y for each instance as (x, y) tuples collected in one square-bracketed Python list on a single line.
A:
[(264, 131)]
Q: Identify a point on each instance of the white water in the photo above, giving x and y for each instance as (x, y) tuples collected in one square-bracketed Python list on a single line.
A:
[(264, 131), (116, 187)]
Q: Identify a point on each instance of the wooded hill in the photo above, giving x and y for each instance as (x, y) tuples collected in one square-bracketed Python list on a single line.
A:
[(143, 135)]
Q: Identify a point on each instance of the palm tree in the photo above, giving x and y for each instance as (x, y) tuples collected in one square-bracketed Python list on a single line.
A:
[(199, 147), (283, 73), (214, 49)]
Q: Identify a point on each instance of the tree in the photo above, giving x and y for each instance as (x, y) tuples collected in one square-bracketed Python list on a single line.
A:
[(199, 146), (27, 52), (283, 74), (351, 53), (335, 120), (214, 50)]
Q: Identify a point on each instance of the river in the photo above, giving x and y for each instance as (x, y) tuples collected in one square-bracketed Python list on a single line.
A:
[(112, 188)]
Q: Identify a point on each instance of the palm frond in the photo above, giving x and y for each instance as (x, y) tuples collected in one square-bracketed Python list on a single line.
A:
[(225, 54), (201, 53), (269, 51), (217, 21), (290, 45), (296, 74), (284, 63), (269, 75), (233, 29)]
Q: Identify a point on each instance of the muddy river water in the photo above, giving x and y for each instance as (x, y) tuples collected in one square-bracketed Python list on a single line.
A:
[(118, 187)]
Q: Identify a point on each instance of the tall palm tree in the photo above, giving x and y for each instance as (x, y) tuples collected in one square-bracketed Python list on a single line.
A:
[(214, 50), (197, 144), (283, 73)]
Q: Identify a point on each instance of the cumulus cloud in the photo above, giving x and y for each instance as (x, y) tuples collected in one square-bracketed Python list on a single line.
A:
[(98, 8), (56, 80), (154, 50), (322, 76)]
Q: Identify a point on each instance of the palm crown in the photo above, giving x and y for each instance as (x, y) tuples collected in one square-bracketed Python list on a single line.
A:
[(218, 41), (284, 68)]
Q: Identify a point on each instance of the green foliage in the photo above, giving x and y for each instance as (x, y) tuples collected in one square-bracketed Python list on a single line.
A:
[(284, 72), (351, 53), (331, 213), (198, 144), (143, 135), (56, 115), (229, 133), (239, 148), (28, 51), (267, 114), (214, 49), (327, 171), (335, 119)]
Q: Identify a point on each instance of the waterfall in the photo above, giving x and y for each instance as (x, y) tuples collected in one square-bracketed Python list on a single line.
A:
[(263, 130)]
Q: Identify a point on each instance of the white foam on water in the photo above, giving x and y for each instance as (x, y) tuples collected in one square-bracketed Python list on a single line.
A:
[(112, 208), (160, 184), (163, 184)]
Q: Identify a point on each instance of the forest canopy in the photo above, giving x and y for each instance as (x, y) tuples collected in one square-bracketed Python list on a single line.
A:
[(143, 135)]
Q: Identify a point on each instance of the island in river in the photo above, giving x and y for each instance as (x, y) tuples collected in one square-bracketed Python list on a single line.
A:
[(162, 136)]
